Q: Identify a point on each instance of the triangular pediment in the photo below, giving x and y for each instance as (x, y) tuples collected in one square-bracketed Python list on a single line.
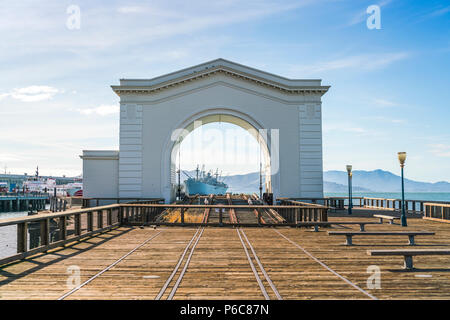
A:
[(222, 67)]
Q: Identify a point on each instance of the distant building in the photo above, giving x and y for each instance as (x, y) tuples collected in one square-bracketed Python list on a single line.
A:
[(16, 180)]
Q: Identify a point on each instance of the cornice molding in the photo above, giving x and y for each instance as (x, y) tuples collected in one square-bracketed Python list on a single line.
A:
[(220, 70)]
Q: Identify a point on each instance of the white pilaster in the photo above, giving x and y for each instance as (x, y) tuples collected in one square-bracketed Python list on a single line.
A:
[(130, 158), (310, 140)]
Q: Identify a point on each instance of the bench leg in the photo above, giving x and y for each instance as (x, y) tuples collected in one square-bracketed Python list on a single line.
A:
[(411, 241), (316, 228), (361, 227), (381, 220), (349, 240), (391, 221), (408, 263)]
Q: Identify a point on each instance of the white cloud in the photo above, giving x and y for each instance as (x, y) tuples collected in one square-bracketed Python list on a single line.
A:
[(102, 110), (388, 119), (130, 9), (31, 93), (345, 128), (440, 12), (440, 150), (364, 62), (385, 103)]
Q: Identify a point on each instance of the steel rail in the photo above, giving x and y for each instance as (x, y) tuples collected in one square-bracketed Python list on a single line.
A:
[(258, 279), (180, 277), (175, 270), (108, 268), (327, 267), (274, 288)]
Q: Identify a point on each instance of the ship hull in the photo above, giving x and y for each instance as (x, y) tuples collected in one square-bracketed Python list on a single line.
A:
[(201, 188)]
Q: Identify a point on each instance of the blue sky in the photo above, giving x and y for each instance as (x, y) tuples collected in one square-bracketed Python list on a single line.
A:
[(389, 87)]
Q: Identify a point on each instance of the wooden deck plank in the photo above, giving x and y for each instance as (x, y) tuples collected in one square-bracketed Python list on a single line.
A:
[(219, 268)]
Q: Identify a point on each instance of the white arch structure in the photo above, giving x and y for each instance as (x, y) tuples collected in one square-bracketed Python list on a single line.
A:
[(211, 115), (284, 114)]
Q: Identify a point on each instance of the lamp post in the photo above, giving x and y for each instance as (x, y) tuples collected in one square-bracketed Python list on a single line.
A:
[(350, 201), (402, 158)]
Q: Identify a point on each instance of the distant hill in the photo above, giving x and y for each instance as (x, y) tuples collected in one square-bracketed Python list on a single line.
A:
[(382, 181), (242, 183), (336, 181), (337, 187)]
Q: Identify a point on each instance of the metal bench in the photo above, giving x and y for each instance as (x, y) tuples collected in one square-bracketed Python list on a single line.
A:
[(408, 254), (350, 234), (317, 224), (382, 216)]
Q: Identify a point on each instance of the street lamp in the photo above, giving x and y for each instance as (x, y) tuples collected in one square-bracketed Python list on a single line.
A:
[(350, 201), (402, 158)]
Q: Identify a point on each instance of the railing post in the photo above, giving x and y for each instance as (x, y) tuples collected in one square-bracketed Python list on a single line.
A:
[(100, 219), (77, 221), (45, 232), (22, 237), (121, 215), (109, 217), (143, 215), (90, 221), (62, 228)]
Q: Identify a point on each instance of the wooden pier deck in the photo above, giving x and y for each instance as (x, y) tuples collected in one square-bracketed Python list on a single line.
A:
[(296, 264)]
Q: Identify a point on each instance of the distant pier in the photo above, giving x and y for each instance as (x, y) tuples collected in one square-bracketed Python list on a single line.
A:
[(11, 203)]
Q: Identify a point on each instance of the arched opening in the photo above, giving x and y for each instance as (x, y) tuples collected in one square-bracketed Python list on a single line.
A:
[(219, 139)]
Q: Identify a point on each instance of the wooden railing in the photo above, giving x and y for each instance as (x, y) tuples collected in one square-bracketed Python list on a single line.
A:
[(312, 212), (145, 214), (437, 211), (43, 232), (95, 202), (411, 206), (339, 203)]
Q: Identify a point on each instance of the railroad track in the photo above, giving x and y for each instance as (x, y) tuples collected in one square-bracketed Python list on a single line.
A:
[(353, 285), (67, 294), (164, 292), (242, 237)]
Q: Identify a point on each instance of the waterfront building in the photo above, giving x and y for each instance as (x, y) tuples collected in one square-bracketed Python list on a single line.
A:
[(286, 115)]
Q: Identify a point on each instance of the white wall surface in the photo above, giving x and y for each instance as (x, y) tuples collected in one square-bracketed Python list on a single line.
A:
[(100, 176)]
